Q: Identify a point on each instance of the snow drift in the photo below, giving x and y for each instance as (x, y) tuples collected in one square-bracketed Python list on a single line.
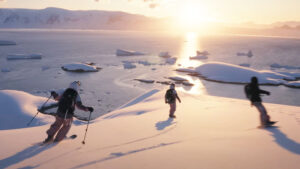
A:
[(18, 108)]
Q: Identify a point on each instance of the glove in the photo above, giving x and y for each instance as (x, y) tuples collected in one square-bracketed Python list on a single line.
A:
[(90, 109), (54, 94)]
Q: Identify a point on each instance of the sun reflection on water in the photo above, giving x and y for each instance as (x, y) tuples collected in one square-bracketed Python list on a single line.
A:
[(189, 48)]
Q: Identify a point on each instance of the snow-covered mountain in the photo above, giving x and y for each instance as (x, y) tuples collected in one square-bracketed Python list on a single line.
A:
[(61, 18)]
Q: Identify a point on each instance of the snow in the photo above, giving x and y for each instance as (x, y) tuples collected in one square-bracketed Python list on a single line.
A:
[(164, 55), (4, 43), (80, 67), (207, 133), (122, 52), (229, 73), (23, 56), (17, 109), (276, 65)]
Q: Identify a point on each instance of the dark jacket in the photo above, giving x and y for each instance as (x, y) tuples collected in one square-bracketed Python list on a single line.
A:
[(255, 92)]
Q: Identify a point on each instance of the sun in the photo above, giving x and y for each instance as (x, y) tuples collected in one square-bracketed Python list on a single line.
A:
[(192, 16)]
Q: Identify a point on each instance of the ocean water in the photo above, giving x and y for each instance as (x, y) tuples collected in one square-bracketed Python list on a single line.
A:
[(113, 86)]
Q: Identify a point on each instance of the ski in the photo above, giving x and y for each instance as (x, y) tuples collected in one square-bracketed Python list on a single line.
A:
[(72, 137)]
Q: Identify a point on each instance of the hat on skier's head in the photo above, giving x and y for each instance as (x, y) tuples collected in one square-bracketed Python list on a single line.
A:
[(74, 85), (254, 80), (172, 86)]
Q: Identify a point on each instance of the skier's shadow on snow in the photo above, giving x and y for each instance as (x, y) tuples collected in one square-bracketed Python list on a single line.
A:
[(163, 124), (23, 155), (285, 142), (116, 155)]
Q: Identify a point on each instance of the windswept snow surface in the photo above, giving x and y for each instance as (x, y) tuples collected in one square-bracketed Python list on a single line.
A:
[(207, 133), (18, 108), (80, 67), (229, 73)]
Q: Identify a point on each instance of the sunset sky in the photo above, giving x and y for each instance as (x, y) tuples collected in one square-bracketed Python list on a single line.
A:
[(231, 11)]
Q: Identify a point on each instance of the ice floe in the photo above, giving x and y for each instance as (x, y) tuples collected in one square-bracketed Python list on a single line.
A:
[(128, 65), (164, 54), (5, 43), (276, 65), (249, 53), (80, 67), (122, 52), (23, 56)]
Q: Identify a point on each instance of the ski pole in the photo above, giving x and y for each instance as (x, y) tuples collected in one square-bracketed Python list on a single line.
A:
[(83, 142), (38, 111)]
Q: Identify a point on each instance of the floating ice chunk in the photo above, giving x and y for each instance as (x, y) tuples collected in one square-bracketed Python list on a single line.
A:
[(5, 43), (80, 67), (5, 70), (178, 79), (245, 64), (145, 80), (23, 56), (128, 65), (203, 53), (171, 60), (249, 54), (187, 70), (199, 57), (164, 54), (145, 63), (276, 65), (121, 52), (295, 84), (186, 83)]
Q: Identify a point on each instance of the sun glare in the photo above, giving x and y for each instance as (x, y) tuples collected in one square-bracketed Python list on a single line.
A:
[(193, 17)]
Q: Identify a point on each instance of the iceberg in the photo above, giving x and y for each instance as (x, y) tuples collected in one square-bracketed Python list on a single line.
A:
[(121, 52)]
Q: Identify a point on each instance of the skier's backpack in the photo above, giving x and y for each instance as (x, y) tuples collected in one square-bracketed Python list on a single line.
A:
[(247, 90), (66, 104), (169, 96)]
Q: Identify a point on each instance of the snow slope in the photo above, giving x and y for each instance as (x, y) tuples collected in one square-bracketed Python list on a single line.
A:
[(18, 108), (208, 133)]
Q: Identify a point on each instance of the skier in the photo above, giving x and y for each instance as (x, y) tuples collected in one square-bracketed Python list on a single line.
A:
[(67, 100), (253, 94), (170, 98)]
